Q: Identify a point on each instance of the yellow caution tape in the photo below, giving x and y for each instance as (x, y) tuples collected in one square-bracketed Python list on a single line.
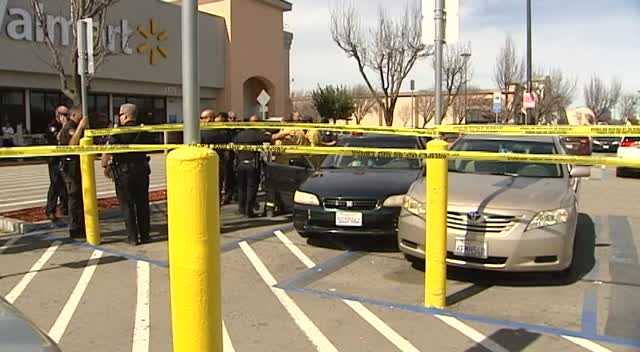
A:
[(25, 152), (52, 151), (575, 131)]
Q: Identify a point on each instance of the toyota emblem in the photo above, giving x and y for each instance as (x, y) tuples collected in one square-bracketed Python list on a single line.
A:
[(475, 217)]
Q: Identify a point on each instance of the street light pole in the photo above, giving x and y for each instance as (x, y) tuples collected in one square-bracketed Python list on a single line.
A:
[(440, 19), (529, 59), (190, 82), (466, 56)]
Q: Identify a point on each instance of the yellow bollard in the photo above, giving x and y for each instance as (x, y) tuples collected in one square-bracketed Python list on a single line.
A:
[(194, 249), (89, 196), (435, 289)]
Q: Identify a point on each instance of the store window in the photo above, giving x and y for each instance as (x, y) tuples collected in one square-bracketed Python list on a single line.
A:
[(12, 108), (151, 110), (44, 104)]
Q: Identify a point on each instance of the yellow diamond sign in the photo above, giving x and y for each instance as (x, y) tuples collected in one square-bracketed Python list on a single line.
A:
[(152, 46)]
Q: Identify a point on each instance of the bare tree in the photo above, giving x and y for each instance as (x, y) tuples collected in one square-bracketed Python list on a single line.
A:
[(628, 105), (364, 102), (426, 107), (600, 98), (453, 76), (302, 103), (386, 55), (508, 75), (553, 95), (62, 58)]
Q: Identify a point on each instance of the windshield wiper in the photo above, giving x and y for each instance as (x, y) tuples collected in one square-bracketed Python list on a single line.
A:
[(512, 174)]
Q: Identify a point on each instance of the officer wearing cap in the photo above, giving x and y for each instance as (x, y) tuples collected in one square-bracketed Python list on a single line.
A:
[(248, 166), (71, 134), (131, 171), (56, 181)]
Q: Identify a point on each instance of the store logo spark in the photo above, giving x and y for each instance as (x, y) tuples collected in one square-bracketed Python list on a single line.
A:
[(152, 47)]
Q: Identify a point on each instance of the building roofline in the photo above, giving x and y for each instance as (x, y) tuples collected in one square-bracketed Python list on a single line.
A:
[(281, 4)]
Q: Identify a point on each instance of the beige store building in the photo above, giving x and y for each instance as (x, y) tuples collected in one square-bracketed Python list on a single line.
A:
[(243, 50)]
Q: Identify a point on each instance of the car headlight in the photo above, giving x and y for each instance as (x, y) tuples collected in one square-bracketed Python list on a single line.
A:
[(548, 218), (414, 207), (394, 201), (305, 198)]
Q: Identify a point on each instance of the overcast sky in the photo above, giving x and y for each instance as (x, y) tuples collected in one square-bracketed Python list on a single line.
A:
[(581, 37)]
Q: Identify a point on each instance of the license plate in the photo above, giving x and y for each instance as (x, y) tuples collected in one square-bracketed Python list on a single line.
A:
[(471, 249), (605, 146), (349, 219)]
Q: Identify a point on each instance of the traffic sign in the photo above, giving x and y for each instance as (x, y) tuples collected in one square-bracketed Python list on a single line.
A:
[(264, 98), (529, 101), (497, 102)]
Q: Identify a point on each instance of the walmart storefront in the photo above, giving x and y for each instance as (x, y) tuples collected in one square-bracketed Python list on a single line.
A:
[(143, 66)]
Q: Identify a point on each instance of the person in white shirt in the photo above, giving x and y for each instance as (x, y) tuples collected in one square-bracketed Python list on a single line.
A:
[(7, 134)]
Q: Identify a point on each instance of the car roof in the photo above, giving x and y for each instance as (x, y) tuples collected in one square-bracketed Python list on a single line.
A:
[(533, 139)]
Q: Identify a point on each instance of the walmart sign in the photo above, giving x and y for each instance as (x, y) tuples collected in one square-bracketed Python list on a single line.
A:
[(20, 24)]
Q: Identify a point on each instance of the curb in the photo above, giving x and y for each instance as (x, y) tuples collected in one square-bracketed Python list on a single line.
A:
[(21, 227)]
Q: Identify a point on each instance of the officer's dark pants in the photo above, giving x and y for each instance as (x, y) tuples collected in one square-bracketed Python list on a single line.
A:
[(247, 188), (132, 188), (57, 188), (73, 183), (229, 176)]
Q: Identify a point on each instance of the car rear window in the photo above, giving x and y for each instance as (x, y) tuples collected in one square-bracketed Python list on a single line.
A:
[(522, 169), (369, 162)]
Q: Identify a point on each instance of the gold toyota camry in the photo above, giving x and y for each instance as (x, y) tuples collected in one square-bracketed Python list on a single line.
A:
[(502, 216)]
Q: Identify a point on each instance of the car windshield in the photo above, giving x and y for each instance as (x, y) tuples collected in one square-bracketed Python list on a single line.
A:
[(522, 169), (369, 162)]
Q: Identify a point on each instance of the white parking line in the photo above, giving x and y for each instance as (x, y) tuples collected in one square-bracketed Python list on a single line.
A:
[(227, 346), (142, 323), (400, 342), (305, 324), (26, 279), (471, 333), (59, 327), (587, 344)]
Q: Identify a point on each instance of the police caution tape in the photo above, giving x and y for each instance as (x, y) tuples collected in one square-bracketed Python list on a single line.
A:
[(25, 152), (575, 131)]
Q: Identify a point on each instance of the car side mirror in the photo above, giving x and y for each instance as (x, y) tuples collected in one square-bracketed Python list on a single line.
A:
[(299, 162), (581, 171)]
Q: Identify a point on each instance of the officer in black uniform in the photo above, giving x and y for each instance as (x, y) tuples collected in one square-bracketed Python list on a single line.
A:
[(248, 177), (56, 181), (230, 165), (131, 171), (71, 134), (216, 137)]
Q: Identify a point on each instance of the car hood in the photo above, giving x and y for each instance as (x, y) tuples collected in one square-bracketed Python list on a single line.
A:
[(503, 192), (360, 183)]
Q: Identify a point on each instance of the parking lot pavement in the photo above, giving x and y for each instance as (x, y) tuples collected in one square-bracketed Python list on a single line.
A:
[(26, 186), (283, 293)]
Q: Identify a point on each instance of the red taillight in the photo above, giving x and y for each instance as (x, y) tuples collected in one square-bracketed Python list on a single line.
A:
[(628, 143)]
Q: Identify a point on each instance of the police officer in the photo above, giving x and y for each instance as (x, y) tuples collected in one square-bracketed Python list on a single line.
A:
[(71, 134), (229, 167), (248, 177), (56, 181), (131, 172), (216, 137)]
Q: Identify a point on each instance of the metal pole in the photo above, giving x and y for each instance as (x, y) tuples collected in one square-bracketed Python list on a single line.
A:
[(190, 83), (82, 66), (529, 58), (466, 89), (440, 19)]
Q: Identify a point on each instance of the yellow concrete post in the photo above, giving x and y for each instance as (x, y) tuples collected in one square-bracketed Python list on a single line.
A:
[(194, 249), (435, 290), (89, 196)]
